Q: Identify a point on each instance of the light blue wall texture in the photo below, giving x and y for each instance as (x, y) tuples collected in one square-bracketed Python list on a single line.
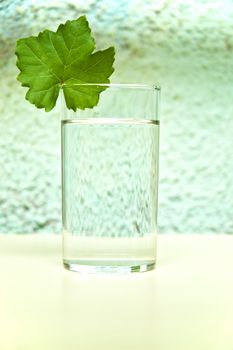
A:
[(186, 47)]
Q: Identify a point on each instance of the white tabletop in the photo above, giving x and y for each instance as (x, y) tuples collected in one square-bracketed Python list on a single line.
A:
[(186, 303)]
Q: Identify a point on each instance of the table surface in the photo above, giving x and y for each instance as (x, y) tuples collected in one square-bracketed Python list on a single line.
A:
[(186, 303)]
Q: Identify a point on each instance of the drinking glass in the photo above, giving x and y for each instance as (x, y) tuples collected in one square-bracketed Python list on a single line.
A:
[(110, 160)]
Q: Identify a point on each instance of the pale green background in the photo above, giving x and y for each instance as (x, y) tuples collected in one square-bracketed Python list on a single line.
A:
[(187, 47)]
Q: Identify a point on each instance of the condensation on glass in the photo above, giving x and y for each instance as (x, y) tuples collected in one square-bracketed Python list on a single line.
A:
[(110, 181)]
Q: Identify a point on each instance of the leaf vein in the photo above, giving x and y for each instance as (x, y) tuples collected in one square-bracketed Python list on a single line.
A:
[(51, 87), (55, 49), (43, 63)]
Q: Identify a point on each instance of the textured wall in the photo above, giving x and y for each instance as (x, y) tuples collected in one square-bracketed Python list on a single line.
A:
[(186, 46)]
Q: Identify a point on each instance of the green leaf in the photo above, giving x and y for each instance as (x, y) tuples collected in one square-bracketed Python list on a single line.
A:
[(64, 60)]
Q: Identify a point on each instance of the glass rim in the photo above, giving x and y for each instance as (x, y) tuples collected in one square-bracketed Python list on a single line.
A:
[(124, 85)]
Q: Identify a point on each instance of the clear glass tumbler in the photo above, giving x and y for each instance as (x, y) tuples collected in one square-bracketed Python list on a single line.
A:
[(110, 181)]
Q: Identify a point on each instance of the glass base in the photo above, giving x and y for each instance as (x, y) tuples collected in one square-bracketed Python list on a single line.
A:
[(112, 266)]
